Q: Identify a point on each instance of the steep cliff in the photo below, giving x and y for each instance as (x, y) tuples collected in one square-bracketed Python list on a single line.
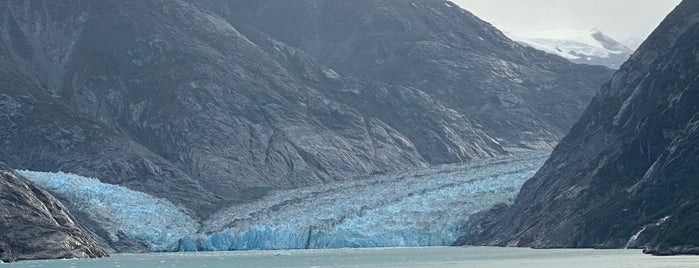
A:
[(626, 174), (37, 226)]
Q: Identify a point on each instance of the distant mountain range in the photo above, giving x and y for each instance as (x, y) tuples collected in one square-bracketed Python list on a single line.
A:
[(579, 46)]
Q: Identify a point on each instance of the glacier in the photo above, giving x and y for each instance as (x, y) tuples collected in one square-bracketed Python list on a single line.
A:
[(425, 207), (571, 44), (154, 222), (421, 207), (579, 46)]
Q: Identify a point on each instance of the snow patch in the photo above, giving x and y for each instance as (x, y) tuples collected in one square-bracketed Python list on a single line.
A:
[(330, 73)]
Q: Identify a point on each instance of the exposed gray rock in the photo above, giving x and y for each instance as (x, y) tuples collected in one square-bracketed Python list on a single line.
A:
[(519, 96), (208, 102), (35, 225), (179, 93), (675, 250), (625, 176), (6, 253), (218, 108), (40, 132), (196, 102)]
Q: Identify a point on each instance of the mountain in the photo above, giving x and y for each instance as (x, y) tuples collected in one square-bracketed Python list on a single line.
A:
[(208, 116), (584, 47), (515, 94), (35, 225), (41, 132), (208, 103), (632, 42), (625, 175)]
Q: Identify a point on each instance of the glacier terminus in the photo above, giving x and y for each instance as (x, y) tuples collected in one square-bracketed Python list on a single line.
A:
[(421, 207)]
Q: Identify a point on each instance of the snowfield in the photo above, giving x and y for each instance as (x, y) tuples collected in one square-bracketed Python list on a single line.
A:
[(425, 207), (580, 46)]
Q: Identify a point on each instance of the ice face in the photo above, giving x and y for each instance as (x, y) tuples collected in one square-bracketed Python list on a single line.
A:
[(156, 223), (428, 207)]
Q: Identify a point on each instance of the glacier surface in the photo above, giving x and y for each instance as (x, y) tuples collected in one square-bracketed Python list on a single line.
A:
[(422, 207), (572, 44), (426, 207), (154, 222), (579, 46)]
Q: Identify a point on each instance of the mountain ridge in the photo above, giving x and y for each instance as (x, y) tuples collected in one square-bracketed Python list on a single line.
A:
[(440, 49), (205, 110), (623, 177)]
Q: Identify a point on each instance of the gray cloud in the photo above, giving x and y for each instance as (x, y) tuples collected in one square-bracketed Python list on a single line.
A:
[(620, 19)]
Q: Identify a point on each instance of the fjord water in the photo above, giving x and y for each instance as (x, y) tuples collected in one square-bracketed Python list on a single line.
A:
[(483, 257)]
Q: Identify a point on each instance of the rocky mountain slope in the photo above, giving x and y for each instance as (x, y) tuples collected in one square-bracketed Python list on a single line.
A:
[(187, 95), (625, 176), (37, 226), (579, 46), (194, 102), (519, 96), (41, 132)]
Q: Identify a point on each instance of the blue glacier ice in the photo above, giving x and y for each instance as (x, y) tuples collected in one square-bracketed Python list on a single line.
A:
[(156, 223), (422, 207), (426, 207)]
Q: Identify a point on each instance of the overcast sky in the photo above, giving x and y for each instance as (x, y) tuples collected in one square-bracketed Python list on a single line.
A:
[(620, 19)]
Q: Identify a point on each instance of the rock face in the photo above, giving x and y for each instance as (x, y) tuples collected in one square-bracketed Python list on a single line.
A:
[(6, 253), (197, 102), (41, 132), (625, 176), (515, 94), (37, 226)]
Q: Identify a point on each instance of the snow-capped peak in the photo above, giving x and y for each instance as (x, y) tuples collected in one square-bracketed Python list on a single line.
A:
[(590, 46)]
